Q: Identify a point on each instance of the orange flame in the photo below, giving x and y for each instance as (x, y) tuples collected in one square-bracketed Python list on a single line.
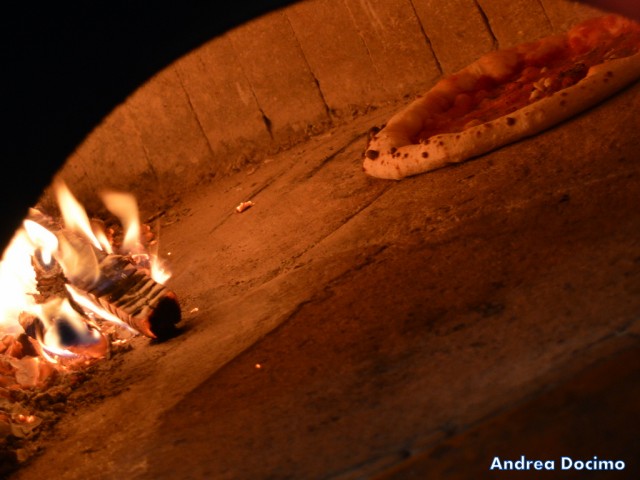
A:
[(125, 207), (74, 215)]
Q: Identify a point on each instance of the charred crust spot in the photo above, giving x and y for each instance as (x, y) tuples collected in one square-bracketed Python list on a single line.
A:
[(372, 154), (563, 94), (425, 154), (441, 143), (478, 133), (372, 131), (457, 136), (609, 73), (406, 155), (393, 150), (511, 121)]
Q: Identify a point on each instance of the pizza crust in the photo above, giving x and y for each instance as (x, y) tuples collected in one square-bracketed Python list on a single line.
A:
[(391, 153)]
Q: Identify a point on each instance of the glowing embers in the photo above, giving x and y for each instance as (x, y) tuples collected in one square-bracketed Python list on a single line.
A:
[(75, 291)]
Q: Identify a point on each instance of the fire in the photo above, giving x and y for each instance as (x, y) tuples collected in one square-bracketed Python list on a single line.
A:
[(17, 281), (125, 207), (87, 280), (74, 216), (62, 331)]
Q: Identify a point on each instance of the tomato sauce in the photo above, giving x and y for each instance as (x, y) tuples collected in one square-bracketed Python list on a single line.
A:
[(585, 47)]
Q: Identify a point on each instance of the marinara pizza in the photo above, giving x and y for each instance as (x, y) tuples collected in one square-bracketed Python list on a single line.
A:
[(507, 95)]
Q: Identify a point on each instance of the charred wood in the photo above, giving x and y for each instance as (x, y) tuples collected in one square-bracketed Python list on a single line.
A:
[(133, 296)]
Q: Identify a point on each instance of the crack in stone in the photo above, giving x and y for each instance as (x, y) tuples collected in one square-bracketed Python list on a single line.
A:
[(363, 40), (145, 151), (193, 111), (427, 39), (327, 109), (265, 120), (546, 15), (485, 19)]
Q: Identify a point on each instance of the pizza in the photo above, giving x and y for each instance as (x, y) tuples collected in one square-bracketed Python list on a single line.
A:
[(507, 95)]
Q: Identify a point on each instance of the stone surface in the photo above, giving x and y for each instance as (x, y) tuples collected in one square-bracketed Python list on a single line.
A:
[(457, 30), (174, 142), (348, 325), (337, 55), (224, 103), (591, 416), (115, 158), (516, 21), (402, 58), (563, 14), (279, 78)]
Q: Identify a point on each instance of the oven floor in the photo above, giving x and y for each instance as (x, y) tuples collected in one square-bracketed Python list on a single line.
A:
[(348, 327)]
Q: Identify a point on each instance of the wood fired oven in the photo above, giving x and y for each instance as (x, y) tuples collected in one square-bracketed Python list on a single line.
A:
[(343, 326)]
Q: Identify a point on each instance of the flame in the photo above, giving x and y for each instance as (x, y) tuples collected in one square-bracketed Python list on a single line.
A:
[(102, 238), (125, 207), (74, 215), (17, 281), (78, 261), (94, 309), (77, 250), (45, 241), (64, 327), (159, 270)]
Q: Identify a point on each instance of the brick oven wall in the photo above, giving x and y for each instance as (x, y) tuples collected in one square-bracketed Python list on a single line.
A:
[(293, 73)]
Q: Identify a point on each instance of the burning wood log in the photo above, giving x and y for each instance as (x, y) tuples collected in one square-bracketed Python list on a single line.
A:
[(107, 282), (133, 296), (119, 287)]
